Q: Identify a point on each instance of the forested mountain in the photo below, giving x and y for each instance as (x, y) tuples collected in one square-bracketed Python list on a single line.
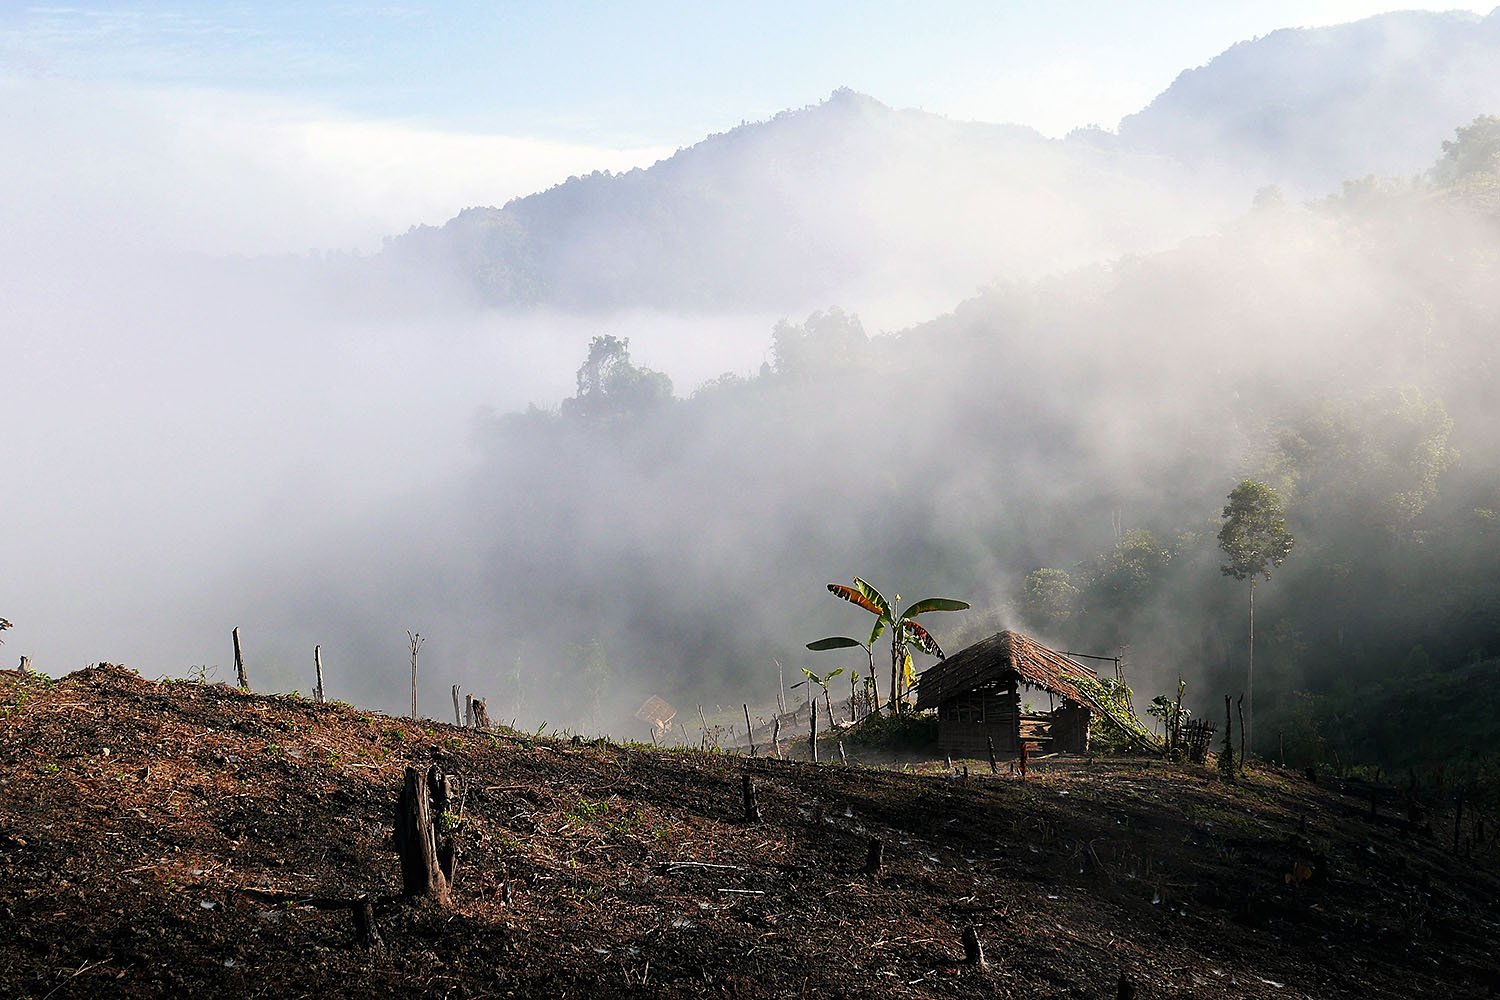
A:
[(1311, 107), (842, 199), (849, 199)]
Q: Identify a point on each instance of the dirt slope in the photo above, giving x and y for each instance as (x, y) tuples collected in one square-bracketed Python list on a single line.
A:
[(133, 814)]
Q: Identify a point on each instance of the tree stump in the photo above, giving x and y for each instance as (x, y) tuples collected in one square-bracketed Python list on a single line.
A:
[(481, 715), (752, 807), (425, 836), (874, 856), (973, 950), (365, 933)]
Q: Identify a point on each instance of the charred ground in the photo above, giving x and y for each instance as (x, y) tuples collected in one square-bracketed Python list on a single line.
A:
[(135, 814)]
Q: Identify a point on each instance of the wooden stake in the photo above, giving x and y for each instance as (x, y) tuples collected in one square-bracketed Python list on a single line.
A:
[(458, 715), (874, 856), (843, 756), (1244, 750), (749, 730), (994, 765), (1228, 741), (469, 711), (752, 808), (318, 666), (973, 950), (239, 662), (776, 737), (812, 743)]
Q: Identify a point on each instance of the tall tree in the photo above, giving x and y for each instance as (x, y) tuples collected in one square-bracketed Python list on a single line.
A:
[(1255, 539), (611, 386)]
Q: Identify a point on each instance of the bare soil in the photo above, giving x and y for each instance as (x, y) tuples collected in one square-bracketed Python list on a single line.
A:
[(134, 815)]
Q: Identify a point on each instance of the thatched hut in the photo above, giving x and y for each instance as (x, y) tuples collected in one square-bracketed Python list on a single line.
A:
[(977, 695)]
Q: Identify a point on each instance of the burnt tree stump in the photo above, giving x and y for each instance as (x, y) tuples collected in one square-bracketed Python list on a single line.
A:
[(365, 933), (973, 950), (426, 835), (875, 856), (752, 807)]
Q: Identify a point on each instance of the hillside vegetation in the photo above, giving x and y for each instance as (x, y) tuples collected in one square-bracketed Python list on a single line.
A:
[(136, 816)]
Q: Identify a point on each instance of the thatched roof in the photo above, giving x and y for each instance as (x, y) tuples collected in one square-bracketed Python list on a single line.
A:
[(1000, 657)]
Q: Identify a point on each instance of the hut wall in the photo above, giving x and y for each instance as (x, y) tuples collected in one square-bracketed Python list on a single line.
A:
[(1070, 728), (967, 722)]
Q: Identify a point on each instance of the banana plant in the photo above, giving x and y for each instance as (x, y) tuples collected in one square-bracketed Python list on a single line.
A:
[(822, 682), (906, 632)]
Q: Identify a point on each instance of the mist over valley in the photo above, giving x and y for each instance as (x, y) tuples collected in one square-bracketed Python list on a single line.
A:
[(942, 355)]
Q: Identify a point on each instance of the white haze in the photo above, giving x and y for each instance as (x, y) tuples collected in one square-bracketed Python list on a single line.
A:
[(192, 447)]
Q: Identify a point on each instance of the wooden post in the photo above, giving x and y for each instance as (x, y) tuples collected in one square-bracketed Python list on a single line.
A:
[(973, 950), (458, 715), (812, 743), (749, 730), (776, 737), (1025, 753), (874, 856), (1228, 766), (318, 667), (843, 756), (422, 873), (703, 725), (950, 761), (994, 765), (752, 808), (469, 711), (1174, 746), (1281, 743), (239, 662), (1244, 750)]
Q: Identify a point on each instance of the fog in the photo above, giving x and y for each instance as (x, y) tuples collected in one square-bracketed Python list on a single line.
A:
[(330, 449)]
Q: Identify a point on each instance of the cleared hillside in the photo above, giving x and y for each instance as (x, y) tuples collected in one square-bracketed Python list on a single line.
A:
[(134, 816)]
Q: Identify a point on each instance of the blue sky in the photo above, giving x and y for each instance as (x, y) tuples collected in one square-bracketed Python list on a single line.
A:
[(653, 73), (359, 119)]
